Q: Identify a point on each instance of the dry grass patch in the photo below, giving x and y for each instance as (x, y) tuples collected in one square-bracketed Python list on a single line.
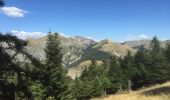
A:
[(157, 92), (135, 96)]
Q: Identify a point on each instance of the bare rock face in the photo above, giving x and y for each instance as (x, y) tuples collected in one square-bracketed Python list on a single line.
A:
[(72, 48)]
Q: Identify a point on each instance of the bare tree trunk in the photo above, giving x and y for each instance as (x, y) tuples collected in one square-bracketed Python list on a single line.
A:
[(104, 92), (120, 87), (129, 85)]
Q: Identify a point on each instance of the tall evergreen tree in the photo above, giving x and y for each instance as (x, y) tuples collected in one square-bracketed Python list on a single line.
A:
[(155, 47), (115, 75), (140, 78), (56, 74), (105, 84), (80, 89), (157, 67), (127, 65), (167, 56), (95, 80)]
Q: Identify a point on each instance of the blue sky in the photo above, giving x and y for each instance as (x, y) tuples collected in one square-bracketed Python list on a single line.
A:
[(118, 20)]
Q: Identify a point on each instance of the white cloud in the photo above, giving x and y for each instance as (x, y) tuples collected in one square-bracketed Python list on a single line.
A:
[(89, 37), (122, 41), (13, 11), (25, 35), (62, 34), (143, 36), (139, 37)]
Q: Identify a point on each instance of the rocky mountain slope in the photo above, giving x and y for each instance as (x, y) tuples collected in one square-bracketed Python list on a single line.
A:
[(72, 48), (78, 51)]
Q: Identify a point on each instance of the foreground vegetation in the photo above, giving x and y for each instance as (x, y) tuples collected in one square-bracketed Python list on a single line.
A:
[(32, 79)]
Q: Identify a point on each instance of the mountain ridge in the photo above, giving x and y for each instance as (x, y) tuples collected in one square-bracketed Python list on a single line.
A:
[(78, 51)]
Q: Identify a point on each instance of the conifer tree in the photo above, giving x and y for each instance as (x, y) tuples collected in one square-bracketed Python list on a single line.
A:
[(56, 75), (140, 78), (105, 84), (155, 49), (80, 89), (95, 80), (128, 69), (84, 75), (115, 75), (157, 67), (167, 57)]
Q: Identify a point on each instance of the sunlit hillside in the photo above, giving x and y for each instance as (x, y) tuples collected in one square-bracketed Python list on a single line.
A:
[(157, 92)]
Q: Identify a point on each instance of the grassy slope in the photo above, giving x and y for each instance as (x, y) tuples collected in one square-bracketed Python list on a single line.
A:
[(157, 92)]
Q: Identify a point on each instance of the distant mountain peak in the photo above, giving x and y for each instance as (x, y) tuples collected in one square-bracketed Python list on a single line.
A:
[(107, 41)]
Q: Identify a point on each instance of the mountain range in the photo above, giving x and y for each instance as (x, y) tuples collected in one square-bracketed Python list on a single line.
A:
[(79, 51)]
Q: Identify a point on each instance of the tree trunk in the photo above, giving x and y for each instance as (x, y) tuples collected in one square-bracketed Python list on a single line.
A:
[(104, 92), (129, 85), (120, 87)]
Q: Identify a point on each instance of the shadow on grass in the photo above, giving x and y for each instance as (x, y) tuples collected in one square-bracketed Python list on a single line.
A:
[(157, 91)]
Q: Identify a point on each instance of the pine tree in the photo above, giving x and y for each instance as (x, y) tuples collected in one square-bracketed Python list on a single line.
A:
[(127, 66), (155, 47), (157, 67), (80, 89), (105, 84), (96, 87), (85, 74), (56, 75), (140, 78), (115, 75), (95, 80), (167, 56)]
